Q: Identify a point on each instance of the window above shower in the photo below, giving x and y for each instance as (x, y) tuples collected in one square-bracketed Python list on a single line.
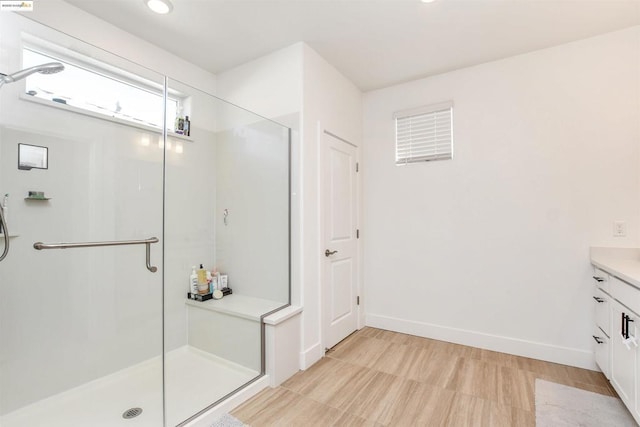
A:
[(97, 89)]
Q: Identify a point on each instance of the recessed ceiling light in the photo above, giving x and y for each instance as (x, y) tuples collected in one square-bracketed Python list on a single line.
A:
[(159, 6), (428, 1)]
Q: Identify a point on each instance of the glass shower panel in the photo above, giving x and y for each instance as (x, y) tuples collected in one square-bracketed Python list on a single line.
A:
[(80, 328), (227, 209)]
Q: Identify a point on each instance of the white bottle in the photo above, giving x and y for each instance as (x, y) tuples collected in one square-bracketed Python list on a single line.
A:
[(193, 281)]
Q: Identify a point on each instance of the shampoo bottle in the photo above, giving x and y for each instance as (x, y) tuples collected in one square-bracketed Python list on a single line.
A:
[(193, 281), (203, 286)]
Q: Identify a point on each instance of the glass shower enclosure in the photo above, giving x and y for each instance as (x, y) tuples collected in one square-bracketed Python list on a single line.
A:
[(118, 182)]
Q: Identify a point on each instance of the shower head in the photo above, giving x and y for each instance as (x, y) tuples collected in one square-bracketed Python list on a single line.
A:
[(48, 68)]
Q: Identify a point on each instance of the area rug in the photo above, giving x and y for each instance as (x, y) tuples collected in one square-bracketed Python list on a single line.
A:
[(560, 405), (227, 421)]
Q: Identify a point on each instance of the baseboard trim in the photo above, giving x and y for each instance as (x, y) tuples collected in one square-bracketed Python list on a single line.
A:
[(535, 350), (311, 356)]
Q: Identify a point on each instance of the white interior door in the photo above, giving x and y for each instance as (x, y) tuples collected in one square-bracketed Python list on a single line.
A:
[(340, 252)]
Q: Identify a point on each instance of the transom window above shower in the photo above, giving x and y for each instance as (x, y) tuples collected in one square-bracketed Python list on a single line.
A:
[(89, 87)]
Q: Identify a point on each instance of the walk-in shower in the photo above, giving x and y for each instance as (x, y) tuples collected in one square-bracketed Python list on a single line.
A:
[(101, 332)]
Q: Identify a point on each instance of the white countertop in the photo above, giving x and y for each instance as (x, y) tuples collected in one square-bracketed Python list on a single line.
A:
[(623, 263)]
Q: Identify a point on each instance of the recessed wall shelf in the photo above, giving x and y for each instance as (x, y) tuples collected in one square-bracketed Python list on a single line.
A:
[(179, 136), (38, 198), (54, 104)]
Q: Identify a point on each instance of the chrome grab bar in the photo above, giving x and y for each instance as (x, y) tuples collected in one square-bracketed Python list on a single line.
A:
[(40, 246)]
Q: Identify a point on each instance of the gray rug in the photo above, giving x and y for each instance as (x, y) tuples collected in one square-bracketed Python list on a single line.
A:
[(560, 405), (227, 421)]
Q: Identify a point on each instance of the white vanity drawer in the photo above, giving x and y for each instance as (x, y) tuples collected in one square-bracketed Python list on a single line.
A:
[(601, 279), (603, 311), (625, 293)]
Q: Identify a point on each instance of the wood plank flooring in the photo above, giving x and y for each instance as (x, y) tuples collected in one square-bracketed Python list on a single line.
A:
[(382, 378)]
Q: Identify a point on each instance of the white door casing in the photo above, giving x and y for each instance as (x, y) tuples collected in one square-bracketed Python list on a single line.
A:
[(340, 250)]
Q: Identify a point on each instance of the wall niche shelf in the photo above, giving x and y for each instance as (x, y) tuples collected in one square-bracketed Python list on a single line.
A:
[(179, 136), (82, 111), (38, 198)]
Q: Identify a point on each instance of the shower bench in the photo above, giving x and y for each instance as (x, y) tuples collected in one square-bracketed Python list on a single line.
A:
[(230, 329)]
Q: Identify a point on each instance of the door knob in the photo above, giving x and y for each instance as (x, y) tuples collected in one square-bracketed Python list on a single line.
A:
[(329, 253)]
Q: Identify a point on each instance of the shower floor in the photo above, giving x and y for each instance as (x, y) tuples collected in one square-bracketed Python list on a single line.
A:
[(195, 379)]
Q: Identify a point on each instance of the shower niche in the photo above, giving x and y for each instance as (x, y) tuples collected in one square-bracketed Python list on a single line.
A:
[(100, 334)]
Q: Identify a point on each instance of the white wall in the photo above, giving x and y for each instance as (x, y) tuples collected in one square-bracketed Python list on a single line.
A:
[(189, 227), (252, 242), (271, 86), (333, 103), (492, 248), (293, 81)]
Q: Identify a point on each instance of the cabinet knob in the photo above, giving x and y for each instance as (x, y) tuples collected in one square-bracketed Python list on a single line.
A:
[(598, 299)]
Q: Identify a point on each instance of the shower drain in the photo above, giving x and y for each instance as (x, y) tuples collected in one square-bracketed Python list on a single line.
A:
[(131, 413)]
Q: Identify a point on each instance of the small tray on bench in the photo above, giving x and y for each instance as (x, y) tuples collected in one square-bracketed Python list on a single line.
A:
[(198, 297)]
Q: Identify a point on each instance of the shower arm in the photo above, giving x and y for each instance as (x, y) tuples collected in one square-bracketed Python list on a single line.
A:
[(3, 222)]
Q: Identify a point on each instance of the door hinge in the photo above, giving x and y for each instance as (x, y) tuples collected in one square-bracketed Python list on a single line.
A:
[(357, 233), (358, 300), (357, 167)]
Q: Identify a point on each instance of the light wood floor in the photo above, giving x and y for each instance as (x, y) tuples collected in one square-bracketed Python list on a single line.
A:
[(382, 378)]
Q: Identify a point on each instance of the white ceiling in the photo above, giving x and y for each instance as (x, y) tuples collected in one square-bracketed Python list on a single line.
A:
[(374, 43)]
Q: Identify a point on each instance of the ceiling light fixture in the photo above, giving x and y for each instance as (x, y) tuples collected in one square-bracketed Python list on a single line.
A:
[(159, 6), (428, 1)]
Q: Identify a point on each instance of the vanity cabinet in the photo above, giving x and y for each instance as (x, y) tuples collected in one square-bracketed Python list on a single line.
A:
[(617, 284), (617, 327)]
